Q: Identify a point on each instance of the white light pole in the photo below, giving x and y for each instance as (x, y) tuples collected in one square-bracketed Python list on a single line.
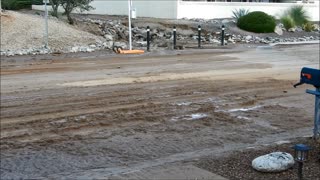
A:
[(129, 18), (46, 24)]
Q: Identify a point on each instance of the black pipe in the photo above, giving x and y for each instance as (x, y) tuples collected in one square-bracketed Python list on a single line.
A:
[(199, 36), (222, 35), (148, 38), (174, 37)]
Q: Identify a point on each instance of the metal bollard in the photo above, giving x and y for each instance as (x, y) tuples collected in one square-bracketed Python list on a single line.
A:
[(174, 37), (199, 36), (148, 38), (222, 35)]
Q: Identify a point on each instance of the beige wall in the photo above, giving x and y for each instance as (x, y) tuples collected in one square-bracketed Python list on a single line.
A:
[(144, 8), (211, 10), (176, 9)]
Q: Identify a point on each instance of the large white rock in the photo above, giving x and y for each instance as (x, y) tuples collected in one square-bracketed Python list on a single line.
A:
[(248, 38), (278, 30), (273, 162)]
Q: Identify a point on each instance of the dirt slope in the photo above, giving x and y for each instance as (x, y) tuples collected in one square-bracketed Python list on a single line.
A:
[(23, 31)]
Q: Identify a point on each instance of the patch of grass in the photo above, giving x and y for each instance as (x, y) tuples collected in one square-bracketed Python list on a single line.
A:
[(308, 27), (238, 13), (287, 22), (299, 15)]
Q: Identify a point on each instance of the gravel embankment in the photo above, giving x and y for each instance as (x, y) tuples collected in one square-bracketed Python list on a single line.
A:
[(24, 31)]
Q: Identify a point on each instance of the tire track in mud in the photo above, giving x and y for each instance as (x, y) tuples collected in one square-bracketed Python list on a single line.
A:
[(42, 123), (80, 132)]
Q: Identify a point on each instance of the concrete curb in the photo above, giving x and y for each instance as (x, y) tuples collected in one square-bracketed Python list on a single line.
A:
[(295, 43), (271, 45)]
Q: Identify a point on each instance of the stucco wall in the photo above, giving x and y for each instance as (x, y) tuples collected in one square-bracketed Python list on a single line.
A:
[(174, 9), (210, 10), (144, 8)]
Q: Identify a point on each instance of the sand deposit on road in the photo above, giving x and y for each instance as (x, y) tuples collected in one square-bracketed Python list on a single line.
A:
[(53, 131)]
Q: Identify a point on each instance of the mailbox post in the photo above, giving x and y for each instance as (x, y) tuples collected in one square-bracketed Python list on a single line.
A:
[(316, 130), (312, 77)]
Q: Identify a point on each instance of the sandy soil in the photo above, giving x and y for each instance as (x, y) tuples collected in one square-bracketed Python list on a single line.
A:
[(24, 31), (104, 115)]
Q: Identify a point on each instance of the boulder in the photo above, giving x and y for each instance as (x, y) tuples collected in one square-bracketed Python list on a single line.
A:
[(280, 25), (142, 43), (75, 49), (92, 46), (214, 41), (316, 27), (123, 45), (231, 41), (108, 37), (248, 38), (292, 30), (273, 162), (299, 29), (107, 45), (278, 30)]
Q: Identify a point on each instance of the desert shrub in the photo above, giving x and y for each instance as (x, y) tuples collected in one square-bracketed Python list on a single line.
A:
[(298, 14), (287, 22), (239, 13), (308, 27), (258, 22)]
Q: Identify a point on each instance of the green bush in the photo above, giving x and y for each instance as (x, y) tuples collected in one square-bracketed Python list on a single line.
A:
[(308, 27), (258, 22), (287, 22), (15, 4), (299, 15), (239, 13)]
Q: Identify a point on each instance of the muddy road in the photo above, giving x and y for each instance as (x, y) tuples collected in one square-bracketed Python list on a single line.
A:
[(103, 116)]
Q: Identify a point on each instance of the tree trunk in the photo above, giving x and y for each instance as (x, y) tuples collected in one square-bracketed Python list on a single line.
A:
[(55, 6), (71, 21), (54, 11)]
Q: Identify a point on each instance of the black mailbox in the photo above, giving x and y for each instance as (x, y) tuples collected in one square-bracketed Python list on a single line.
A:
[(309, 76)]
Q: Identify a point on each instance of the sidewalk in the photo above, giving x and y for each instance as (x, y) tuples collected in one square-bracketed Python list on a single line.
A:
[(174, 172)]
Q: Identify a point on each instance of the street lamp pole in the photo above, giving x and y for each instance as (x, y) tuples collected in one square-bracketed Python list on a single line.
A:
[(46, 23), (129, 18)]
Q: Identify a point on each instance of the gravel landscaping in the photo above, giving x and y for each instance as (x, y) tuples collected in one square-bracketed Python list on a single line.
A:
[(237, 165)]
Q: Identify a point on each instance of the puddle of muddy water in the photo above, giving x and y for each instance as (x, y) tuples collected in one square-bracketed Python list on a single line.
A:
[(183, 103), (245, 109), (191, 117)]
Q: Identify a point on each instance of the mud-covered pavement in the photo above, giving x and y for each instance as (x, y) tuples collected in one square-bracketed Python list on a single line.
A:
[(98, 117)]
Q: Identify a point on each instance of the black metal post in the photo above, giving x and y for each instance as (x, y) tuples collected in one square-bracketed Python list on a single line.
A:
[(300, 166), (199, 36), (222, 35), (148, 38), (174, 37)]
